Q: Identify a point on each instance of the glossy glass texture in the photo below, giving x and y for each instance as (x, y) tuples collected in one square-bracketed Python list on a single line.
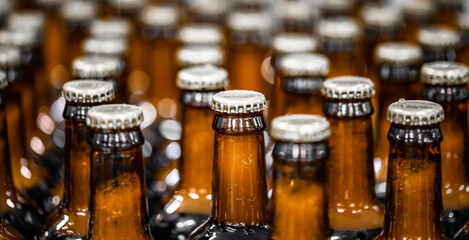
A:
[(8, 233)]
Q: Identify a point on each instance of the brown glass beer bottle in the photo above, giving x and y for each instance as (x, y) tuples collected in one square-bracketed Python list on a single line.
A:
[(297, 16), (299, 191), (417, 14), (209, 12), (190, 204), (354, 209), (439, 43), (446, 84), (118, 206), (239, 190), (413, 198), (70, 219)]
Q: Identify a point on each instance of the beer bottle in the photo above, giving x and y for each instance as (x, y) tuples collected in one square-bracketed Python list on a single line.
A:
[(299, 196), (8, 233), (283, 44), (301, 78), (208, 12), (112, 27), (70, 219), (446, 84), (239, 190), (396, 71), (335, 8), (201, 34), (297, 16), (198, 55), (190, 204), (413, 198), (417, 14), (448, 11), (354, 210), (249, 36), (439, 43), (101, 68), (339, 40), (118, 206), (16, 209), (463, 22)]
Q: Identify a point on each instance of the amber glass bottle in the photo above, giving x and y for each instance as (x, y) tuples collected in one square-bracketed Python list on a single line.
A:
[(70, 219), (249, 36), (16, 209), (101, 68), (439, 43), (413, 198), (211, 11), (201, 34), (197, 55), (239, 190), (282, 45), (463, 22), (297, 16), (118, 206), (448, 12), (301, 78), (190, 204), (417, 14), (446, 84), (299, 191), (354, 210), (8, 233), (396, 71), (339, 39)]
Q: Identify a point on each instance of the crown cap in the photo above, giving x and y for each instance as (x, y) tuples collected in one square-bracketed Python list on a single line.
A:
[(294, 43), (88, 91), (159, 16), (96, 67), (436, 36), (444, 73), (415, 113), (201, 34), (105, 46), (398, 52), (299, 128), (348, 87), (238, 102), (110, 28), (10, 56), (202, 78), (304, 64), (192, 55), (114, 117)]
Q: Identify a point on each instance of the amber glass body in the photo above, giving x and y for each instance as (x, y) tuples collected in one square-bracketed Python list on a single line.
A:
[(246, 52), (8, 233), (190, 204), (118, 206), (299, 197), (239, 190), (16, 209), (431, 54), (301, 95), (413, 190), (70, 218), (345, 56), (454, 153), (394, 81), (354, 210), (412, 23)]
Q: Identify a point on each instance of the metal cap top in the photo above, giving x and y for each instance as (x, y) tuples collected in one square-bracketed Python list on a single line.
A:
[(114, 117), (300, 128), (294, 43), (31, 19), (208, 7), (10, 56), (105, 46), (192, 55), (96, 67), (159, 16), (397, 52), (297, 10), (88, 91), (304, 64), (418, 7), (348, 87), (202, 78), (339, 28), (380, 15), (438, 36), (463, 20), (77, 10), (21, 38), (3, 80), (415, 113), (238, 102), (130, 5), (110, 28), (444, 73), (201, 34), (249, 21)]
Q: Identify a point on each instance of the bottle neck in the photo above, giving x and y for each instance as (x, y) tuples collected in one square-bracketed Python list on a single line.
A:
[(118, 192), (5, 164), (413, 203), (303, 85), (338, 46), (449, 53), (376, 34), (240, 185)]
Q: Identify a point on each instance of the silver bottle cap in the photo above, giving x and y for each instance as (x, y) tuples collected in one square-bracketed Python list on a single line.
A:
[(436, 36), (192, 55), (159, 16), (105, 46), (380, 15), (250, 21), (418, 7), (339, 28), (202, 78), (304, 64), (208, 7), (415, 113), (10, 56), (297, 10), (398, 53), (114, 117), (3, 80), (300, 128), (33, 20), (78, 11), (21, 38), (201, 34), (88, 91), (294, 43), (444, 73), (111, 28), (238, 102), (87, 67), (348, 87)]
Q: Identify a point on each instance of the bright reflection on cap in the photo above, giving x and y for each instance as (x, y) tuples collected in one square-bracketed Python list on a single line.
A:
[(149, 113), (167, 108), (170, 129), (37, 146), (172, 178), (57, 109), (45, 123), (173, 151)]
